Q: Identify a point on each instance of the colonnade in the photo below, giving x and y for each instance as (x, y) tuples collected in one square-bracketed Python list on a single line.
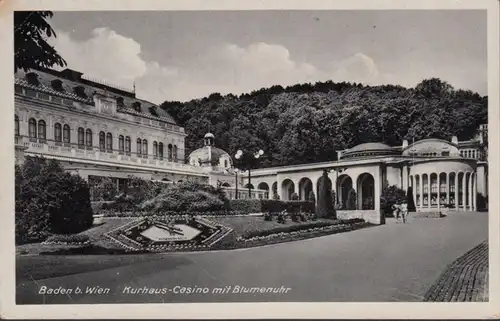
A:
[(456, 190)]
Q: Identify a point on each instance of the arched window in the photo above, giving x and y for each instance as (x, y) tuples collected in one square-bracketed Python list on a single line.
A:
[(81, 137), (42, 130), (225, 163), (139, 146), (155, 149), (109, 141), (145, 147), (170, 152), (89, 138), (160, 150), (102, 141), (16, 125), (66, 134), (175, 153), (32, 128), (121, 144), (127, 145), (57, 132)]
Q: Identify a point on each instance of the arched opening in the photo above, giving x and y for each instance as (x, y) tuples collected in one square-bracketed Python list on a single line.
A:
[(265, 187), (287, 189), (460, 184), (274, 188), (249, 185), (226, 184), (434, 189), (452, 187), (32, 128), (165, 180), (443, 189), (57, 132), (344, 185), (366, 192), (305, 188), (425, 188), (467, 189), (416, 190), (102, 141)]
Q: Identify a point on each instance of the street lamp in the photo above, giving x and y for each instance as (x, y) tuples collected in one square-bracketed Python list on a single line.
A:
[(247, 160), (236, 191), (337, 171)]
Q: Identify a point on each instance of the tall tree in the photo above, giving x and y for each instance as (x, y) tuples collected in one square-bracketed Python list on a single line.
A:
[(31, 49)]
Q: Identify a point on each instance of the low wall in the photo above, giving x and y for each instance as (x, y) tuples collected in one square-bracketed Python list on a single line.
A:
[(370, 216)]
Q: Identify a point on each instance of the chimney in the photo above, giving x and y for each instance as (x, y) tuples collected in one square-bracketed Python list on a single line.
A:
[(405, 143), (454, 140)]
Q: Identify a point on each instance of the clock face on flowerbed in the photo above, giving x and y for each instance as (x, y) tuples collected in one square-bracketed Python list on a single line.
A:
[(168, 233)]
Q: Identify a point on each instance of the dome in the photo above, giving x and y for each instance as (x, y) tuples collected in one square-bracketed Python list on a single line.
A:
[(370, 146), (369, 150), (210, 156)]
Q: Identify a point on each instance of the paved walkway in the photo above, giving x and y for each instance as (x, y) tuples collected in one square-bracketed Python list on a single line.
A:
[(389, 263), (465, 280)]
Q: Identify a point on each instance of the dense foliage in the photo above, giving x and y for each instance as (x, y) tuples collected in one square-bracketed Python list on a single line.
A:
[(188, 196), (49, 200), (31, 49), (309, 122)]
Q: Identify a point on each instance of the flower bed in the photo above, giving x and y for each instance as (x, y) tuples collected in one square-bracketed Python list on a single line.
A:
[(139, 214), (67, 239), (168, 233)]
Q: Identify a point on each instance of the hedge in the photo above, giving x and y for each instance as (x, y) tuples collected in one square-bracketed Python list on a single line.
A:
[(248, 206), (68, 239), (298, 227)]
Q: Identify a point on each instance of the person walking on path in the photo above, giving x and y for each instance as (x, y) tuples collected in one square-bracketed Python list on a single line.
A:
[(403, 209)]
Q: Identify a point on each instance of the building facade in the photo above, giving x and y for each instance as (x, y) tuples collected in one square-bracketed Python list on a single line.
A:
[(441, 173), (99, 130)]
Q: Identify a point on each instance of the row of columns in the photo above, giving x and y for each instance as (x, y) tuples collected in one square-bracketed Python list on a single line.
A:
[(467, 185)]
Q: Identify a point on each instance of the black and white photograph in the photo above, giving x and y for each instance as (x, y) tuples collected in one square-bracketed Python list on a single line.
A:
[(284, 155)]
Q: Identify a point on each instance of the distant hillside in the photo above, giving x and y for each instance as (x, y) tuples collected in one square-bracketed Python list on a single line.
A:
[(309, 122)]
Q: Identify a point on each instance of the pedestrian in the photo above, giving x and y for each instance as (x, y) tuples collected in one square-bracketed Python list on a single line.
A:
[(396, 211), (404, 210)]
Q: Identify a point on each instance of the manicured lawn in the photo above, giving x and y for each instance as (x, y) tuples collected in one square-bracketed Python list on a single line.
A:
[(245, 224), (46, 266)]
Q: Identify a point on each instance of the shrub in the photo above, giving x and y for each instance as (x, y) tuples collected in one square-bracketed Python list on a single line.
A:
[(49, 200), (246, 205), (482, 202), (294, 197), (411, 201), (140, 190), (68, 238), (324, 208), (102, 188), (276, 196), (311, 198), (188, 197), (351, 200)]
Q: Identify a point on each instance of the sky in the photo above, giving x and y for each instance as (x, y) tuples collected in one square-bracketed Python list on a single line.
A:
[(184, 55)]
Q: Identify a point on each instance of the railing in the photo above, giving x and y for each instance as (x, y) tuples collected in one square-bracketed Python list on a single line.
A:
[(90, 153)]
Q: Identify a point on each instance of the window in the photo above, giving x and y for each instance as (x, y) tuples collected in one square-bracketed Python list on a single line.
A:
[(139, 146), (66, 134), (57, 85), (446, 153), (89, 138), (137, 106), (170, 152), (155, 149), (57, 132), (160, 150), (81, 137), (102, 141), (119, 101), (225, 163), (42, 130), (32, 128), (433, 186), (175, 153), (121, 145), (127, 144), (32, 79), (109, 142), (80, 91), (145, 147), (16, 125)]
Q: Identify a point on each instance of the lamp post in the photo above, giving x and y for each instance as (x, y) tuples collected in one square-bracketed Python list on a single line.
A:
[(236, 186), (247, 160), (337, 171)]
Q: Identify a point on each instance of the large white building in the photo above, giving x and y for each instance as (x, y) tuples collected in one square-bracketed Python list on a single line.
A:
[(95, 129)]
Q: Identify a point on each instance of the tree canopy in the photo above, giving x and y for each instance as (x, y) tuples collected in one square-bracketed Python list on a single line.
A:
[(31, 49), (310, 122)]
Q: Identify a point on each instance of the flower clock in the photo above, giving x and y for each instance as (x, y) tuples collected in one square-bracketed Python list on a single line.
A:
[(162, 234)]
